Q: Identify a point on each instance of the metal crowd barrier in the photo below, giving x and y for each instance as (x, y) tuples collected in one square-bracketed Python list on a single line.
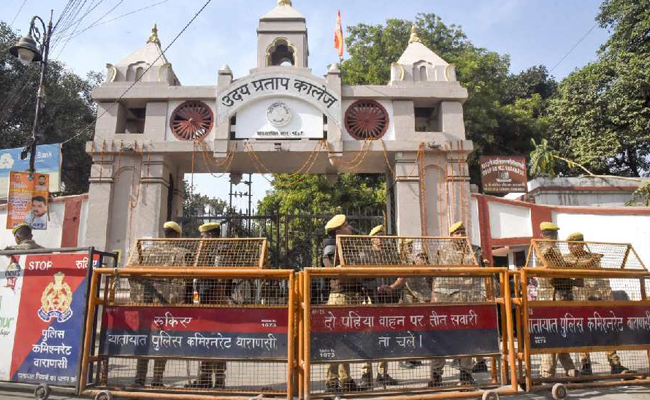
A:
[(424, 337), (191, 319), (585, 317), (156, 342), (44, 293)]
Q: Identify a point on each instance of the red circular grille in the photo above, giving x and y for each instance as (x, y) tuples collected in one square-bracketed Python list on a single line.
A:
[(366, 119), (191, 120)]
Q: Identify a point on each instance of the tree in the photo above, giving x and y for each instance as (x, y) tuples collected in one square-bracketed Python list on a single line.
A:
[(197, 206), (503, 111), (69, 110), (629, 22), (317, 199), (600, 117)]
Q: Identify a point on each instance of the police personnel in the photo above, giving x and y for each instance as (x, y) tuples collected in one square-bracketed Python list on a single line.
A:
[(23, 237), (147, 290), (380, 254), (593, 290), (415, 289), (455, 290), (342, 292), (211, 291), (554, 289)]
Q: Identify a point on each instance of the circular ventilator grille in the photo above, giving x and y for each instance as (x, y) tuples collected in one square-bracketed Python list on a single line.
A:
[(191, 120), (366, 119)]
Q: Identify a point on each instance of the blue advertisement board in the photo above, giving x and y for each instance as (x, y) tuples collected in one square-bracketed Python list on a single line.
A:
[(48, 161)]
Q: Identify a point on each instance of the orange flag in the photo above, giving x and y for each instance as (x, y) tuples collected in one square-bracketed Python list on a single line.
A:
[(338, 36)]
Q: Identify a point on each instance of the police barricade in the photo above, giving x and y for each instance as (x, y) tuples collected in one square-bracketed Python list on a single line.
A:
[(192, 319), (584, 306), (405, 316), (43, 295)]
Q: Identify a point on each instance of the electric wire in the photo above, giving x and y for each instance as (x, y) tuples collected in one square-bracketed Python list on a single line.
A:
[(573, 48), (17, 13), (162, 53), (67, 40), (96, 24)]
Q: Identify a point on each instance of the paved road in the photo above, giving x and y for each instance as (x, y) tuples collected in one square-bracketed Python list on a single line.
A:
[(620, 393)]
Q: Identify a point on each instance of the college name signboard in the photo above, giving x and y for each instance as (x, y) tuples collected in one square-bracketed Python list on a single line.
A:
[(503, 174), (279, 86), (354, 333), (586, 326)]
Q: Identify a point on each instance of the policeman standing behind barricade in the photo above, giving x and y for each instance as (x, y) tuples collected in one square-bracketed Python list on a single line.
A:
[(165, 291), (593, 290), (342, 292), (458, 230), (23, 237), (455, 290), (415, 289), (554, 289), (211, 291), (380, 253)]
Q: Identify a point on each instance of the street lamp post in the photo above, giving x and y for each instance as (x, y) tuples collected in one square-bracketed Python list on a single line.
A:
[(34, 47)]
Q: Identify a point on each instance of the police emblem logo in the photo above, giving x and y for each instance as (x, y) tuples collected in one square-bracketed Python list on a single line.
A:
[(56, 300), (12, 273)]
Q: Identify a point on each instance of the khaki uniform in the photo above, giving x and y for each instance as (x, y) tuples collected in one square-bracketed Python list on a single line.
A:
[(28, 244), (456, 290), (554, 289), (389, 256), (592, 290), (343, 292), (215, 291), (157, 291)]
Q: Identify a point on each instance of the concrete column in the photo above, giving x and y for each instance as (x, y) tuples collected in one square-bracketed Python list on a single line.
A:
[(222, 128), (156, 121), (456, 183), (407, 195), (435, 204), (451, 119), (334, 131), (100, 195), (150, 207)]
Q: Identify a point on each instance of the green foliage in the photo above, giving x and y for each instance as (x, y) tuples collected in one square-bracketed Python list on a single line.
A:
[(503, 111), (197, 205), (629, 22), (314, 194), (640, 197), (542, 160), (69, 110), (600, 117)]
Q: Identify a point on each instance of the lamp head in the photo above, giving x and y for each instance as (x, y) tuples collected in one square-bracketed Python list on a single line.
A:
[(26, 50)]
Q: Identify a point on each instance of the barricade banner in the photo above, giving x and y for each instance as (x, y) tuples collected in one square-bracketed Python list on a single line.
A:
[(586, 326), (399, 332), (233, 333), (203, 330), (42, 314)]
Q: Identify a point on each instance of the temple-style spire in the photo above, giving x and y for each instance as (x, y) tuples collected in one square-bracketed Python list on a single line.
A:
[(153, 38), (285, 3), (414, 35)]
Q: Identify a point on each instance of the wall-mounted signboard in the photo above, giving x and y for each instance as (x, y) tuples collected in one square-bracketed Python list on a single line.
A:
[(503, 174)]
